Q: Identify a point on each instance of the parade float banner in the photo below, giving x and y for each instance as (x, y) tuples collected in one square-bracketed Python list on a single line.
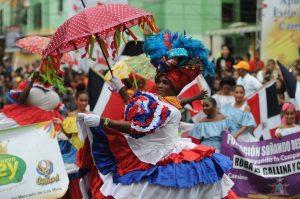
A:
[(31, 165), (280, 30), (265, 169)]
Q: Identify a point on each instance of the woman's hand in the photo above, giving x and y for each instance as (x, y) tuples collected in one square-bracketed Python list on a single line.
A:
[(202, 95), (90, 120), (116, 84), (57, 121), (237, 136), (278, 135)]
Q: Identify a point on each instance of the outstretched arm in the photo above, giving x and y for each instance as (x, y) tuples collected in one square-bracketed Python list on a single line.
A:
[(117, 85), (188, 100), (93, 120), (124, 95), (122, 126), (241, 131), (25, 93)]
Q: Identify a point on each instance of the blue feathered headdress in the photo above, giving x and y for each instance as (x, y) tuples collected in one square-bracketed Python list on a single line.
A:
[(158, 46)]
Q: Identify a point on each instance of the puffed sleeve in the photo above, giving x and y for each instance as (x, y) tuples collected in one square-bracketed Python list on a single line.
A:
[(146, 113), (69, 125)]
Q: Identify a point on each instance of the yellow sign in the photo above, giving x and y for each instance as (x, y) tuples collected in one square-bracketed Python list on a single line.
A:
[(281, 30)]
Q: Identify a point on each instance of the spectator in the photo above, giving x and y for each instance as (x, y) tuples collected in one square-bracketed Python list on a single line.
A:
[(239, 113), (247, 57), (217, 87), (270, 72), (282, 96), (225, 62), (250, 83), (225, 95), (238, 59), (209, 129), (289, 123), (256, 64), (235, 75), (8, 68)]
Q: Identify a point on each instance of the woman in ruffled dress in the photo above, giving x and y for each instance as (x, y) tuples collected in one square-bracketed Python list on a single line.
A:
[(289, 124), (242, 120), (209, 129), (142, 157), (32, 102), (69, 124), (36, 101)]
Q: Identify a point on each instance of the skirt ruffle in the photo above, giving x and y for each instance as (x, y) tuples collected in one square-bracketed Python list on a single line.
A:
[(200, 165), (24, 115)]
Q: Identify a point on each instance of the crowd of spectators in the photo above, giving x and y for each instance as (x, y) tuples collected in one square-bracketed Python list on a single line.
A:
[(259, 73)]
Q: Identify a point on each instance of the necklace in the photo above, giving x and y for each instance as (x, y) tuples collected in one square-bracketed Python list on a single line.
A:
[(172, 100)]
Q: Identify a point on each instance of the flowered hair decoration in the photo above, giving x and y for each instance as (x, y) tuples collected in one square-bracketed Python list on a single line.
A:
[(178, 57), (166, 48)]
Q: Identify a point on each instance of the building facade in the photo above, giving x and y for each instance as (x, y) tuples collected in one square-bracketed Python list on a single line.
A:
[(19, 18), (198, 18)]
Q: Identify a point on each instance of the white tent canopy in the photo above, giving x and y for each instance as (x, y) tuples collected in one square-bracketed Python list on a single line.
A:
[(236, 30)]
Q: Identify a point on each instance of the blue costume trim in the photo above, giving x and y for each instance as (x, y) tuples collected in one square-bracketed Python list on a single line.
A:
[(68, 151), (182, 175)]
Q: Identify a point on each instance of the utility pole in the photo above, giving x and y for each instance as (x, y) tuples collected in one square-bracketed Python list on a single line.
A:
[(258, 24)]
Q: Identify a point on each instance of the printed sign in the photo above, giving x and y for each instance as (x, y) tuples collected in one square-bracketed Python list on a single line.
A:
[(31, 165), (265, 169)]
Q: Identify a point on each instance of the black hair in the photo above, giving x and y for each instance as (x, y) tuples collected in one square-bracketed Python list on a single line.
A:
[(248, 55), (78, 93), (225, 45), (272, 61), (80, 87), (227, 81), (212, 101), (239, 86), (239, 58)]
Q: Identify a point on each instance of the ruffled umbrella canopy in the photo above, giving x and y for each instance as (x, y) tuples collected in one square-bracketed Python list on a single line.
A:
[(95, 24), (37, 44)]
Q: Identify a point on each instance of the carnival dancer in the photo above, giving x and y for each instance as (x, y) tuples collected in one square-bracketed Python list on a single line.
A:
[(289, 125), (142, 157), (32, 102), (241, 118), (209, 129), (36, 101)]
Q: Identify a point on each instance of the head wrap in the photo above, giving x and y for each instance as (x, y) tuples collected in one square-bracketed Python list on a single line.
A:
[(284, 108), (287, 106), (178, 57)]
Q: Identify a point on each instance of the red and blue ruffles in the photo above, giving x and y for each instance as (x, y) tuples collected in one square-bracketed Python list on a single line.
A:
[(146, 113), (200, 165)]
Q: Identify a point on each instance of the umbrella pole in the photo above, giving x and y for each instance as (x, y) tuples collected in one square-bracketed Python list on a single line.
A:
[(98, 40), (83, 3)]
